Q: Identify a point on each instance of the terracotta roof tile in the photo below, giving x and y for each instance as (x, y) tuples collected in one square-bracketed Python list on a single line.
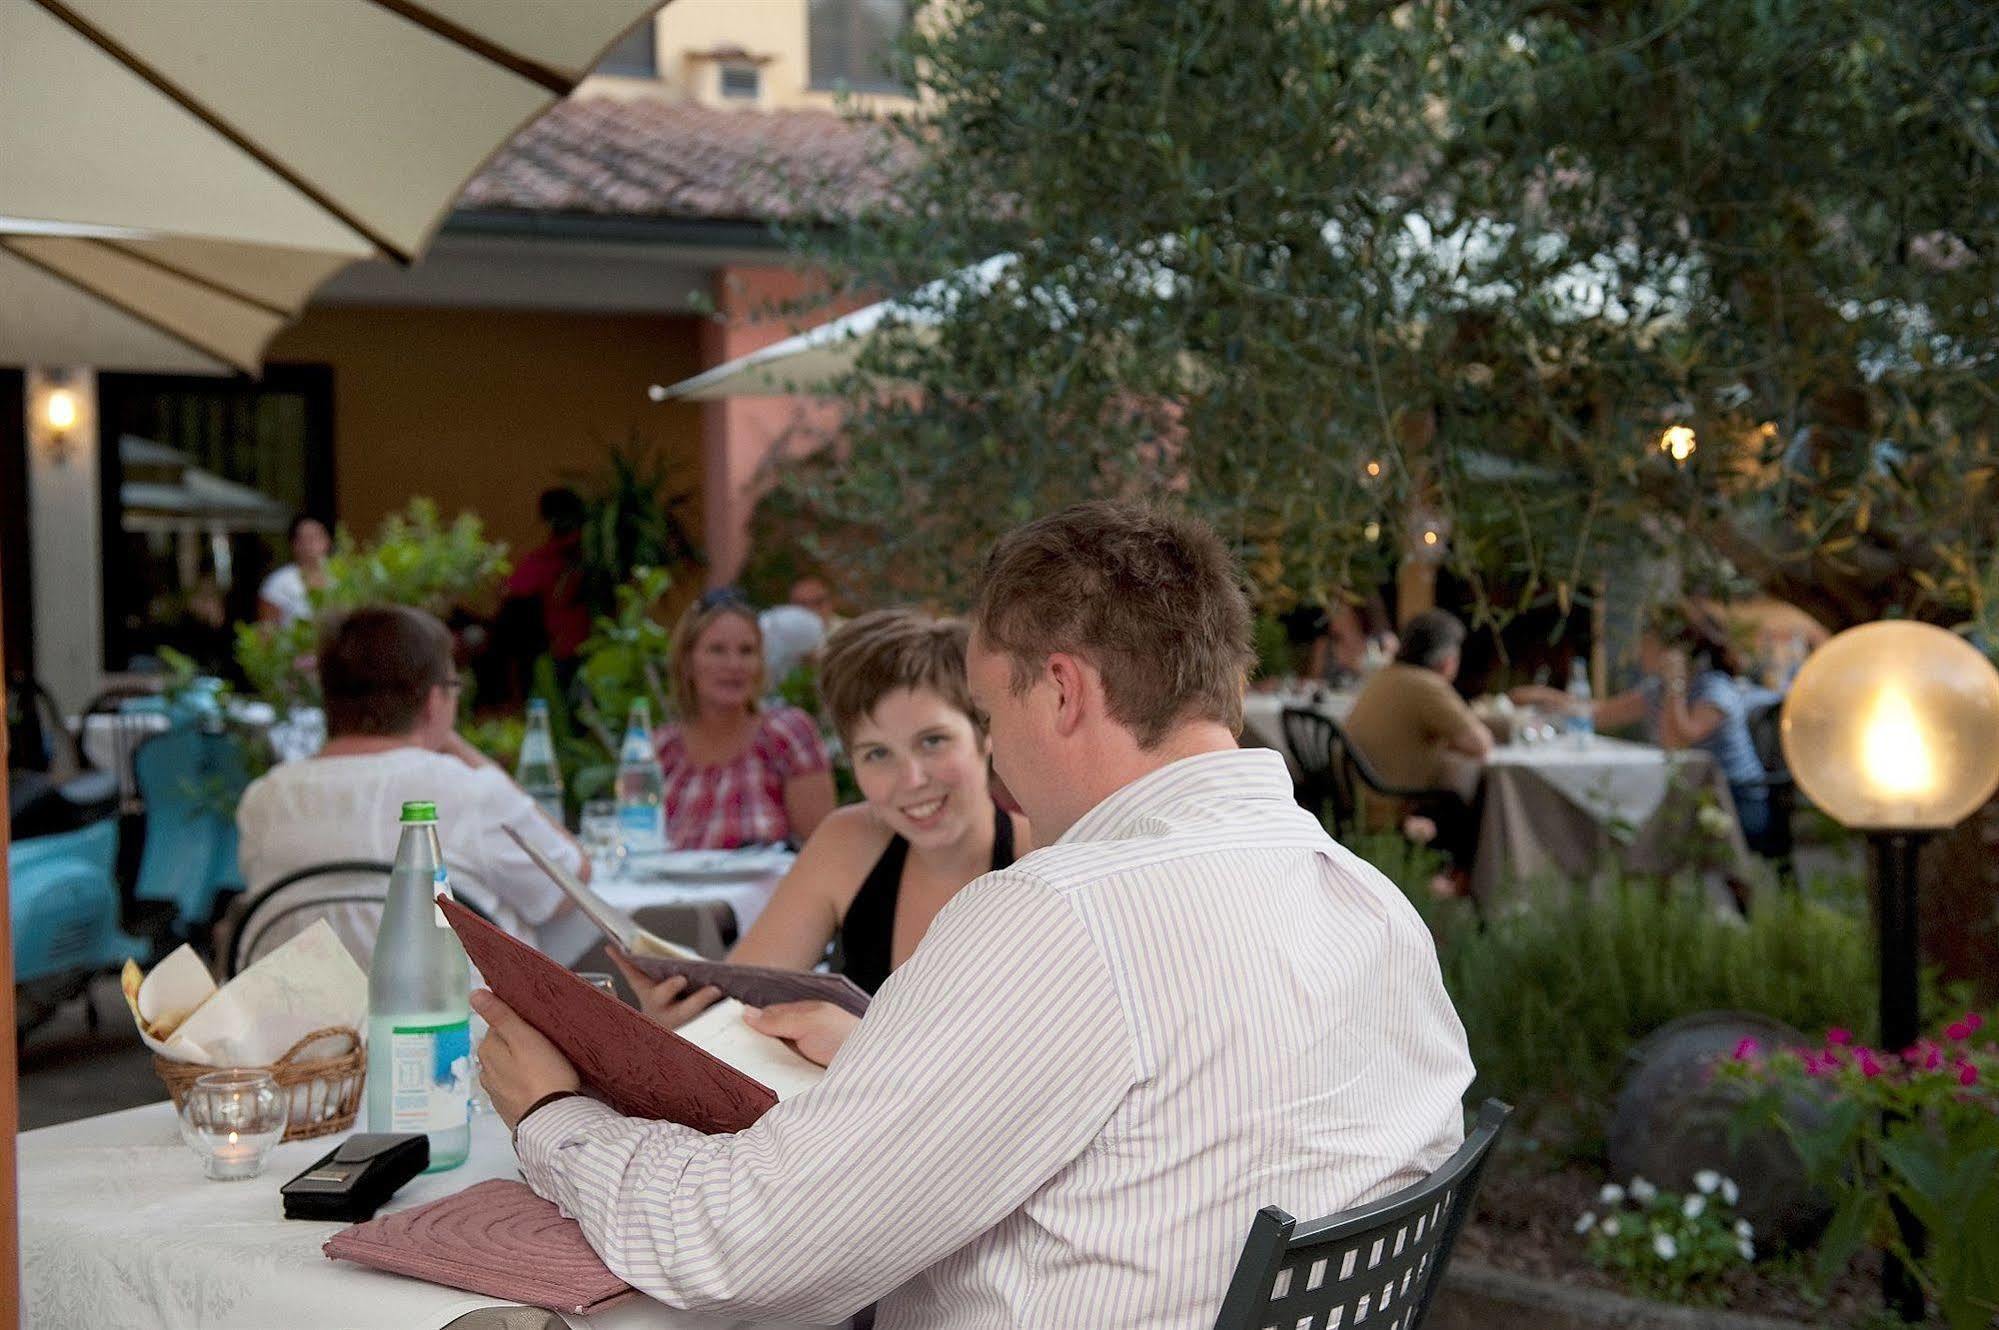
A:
[(650, 158)]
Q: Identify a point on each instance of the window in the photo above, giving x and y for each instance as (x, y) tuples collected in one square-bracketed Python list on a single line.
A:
[(852, 42), (635, 55), (742, 83), (201, 478)]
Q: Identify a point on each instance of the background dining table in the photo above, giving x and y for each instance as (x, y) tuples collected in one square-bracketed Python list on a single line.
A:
[(1567, 807), (704, 899), (119, 1228)]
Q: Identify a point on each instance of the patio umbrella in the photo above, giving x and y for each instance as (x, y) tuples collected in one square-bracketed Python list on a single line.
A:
[(180, 175)]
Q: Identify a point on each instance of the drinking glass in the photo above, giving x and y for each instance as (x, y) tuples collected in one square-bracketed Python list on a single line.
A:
[(597, 828), (599, 980), (232, 1119)]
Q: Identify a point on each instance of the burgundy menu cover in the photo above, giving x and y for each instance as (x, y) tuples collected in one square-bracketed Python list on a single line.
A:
[(636, 1066), (496, 1238)]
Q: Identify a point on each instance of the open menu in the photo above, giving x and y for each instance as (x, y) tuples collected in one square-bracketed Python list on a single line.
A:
[(613, 922), (635, 1065)]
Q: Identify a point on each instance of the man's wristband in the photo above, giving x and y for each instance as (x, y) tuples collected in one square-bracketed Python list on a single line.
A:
[(537, 1106)]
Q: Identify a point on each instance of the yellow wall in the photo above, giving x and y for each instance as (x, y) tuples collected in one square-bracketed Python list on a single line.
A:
[(481, 410), (774, 28)]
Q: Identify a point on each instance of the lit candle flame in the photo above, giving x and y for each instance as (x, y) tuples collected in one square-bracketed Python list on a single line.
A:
[(232, 1138), (1678, 442), (1894, 752)]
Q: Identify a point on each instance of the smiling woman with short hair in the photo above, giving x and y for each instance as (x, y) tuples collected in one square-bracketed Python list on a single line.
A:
[(876, 873)]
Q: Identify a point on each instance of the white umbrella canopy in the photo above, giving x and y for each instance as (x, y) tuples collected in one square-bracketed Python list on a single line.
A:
[(200, 166)]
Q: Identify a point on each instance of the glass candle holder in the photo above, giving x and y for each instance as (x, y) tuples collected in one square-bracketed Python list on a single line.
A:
[(232, 1119)]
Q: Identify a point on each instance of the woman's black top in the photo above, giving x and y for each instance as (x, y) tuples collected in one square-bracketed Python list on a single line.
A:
[(868, 931)]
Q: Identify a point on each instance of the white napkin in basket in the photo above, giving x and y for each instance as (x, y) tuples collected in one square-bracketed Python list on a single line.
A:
[(308, 984)]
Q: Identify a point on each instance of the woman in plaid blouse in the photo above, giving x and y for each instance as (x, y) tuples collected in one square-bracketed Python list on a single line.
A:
[(737, 772)]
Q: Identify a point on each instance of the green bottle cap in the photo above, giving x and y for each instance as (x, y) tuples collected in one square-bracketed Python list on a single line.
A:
[(417, 813)]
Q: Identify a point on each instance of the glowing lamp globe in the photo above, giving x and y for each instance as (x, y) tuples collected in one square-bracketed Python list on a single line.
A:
[(1894, 726)]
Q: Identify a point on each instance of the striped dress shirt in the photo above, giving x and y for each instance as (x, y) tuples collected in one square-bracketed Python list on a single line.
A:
[(1064, 1109)]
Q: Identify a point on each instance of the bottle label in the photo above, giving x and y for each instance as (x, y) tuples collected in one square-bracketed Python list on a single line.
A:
[(441, 886), (430, 1074), (641, 825)]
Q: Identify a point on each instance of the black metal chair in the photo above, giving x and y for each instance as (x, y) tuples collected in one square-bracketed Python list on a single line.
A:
[(127, 731), (1377, 1265), (1331, 771), (347, 893), (1779, 843)]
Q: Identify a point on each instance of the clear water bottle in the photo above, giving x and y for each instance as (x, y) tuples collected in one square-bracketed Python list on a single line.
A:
[(641, 816), (537, 772), (1581, 722), (419, 1004)]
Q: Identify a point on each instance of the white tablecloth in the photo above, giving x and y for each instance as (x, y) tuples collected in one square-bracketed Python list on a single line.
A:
[(120, 1229), (1565, 810), (573, 935)]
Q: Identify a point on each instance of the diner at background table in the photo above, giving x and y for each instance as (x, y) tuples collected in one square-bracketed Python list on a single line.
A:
[(391, 698), (737, 771), (1691, 696)]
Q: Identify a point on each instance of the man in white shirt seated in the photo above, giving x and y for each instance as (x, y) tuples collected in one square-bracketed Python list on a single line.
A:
[(391, 696), (1066, 1107)]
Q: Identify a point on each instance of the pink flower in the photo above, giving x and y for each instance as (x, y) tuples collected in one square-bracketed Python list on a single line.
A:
[(1814, 1066), (1958, 1030), (1833, 1057), (1974, 1020), (1933, 1058), (1839, 1035), (1746, 1050), (1967, 1074), (1868, 1066)]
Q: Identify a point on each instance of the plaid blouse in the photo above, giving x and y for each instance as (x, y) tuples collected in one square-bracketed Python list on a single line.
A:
[(739, 802)]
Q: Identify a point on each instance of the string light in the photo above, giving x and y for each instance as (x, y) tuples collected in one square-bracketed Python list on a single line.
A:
[(1678, 443)]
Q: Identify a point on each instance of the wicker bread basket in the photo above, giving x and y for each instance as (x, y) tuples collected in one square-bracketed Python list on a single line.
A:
[(325, 1089)]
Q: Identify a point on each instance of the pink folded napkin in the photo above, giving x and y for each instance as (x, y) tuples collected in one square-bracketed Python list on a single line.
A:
[(496, 1238)]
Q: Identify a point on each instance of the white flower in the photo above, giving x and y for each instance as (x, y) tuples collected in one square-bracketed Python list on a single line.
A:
[(1746, 1249), (1664, 1247), (1729, 1191), (1743, 1230), (1612, 1194), (1643, 1191), (1693, 1206), (1706, 1181), (1587, 1222), (1515, 42), (1611, 1227)]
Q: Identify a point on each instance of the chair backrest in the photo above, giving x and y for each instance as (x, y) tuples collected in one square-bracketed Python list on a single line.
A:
[(37, 737), (1324, 784), (191, 781), (346, 893), (125, 731), (1379, 1264), (1766, 733)]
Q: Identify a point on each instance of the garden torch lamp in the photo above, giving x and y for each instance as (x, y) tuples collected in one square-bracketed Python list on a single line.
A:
[(1893, 729)]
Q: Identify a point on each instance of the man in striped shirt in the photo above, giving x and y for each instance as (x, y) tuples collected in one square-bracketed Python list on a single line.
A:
[(1065, 1107)]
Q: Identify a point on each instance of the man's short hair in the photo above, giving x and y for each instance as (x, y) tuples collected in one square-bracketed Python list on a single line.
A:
[(868, 658), (1151, 598), (1429, 637), (377, 665)]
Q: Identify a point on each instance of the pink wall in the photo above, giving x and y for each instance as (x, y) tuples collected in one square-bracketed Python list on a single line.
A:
[(739, 433)]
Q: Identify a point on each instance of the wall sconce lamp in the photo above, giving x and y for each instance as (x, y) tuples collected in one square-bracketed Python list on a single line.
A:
[(59, 415)]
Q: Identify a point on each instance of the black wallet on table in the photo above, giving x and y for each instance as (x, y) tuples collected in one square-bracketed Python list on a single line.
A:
[(361, 1173)]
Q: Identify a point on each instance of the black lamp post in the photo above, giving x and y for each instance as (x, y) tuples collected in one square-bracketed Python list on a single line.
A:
[(1893, 729)]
